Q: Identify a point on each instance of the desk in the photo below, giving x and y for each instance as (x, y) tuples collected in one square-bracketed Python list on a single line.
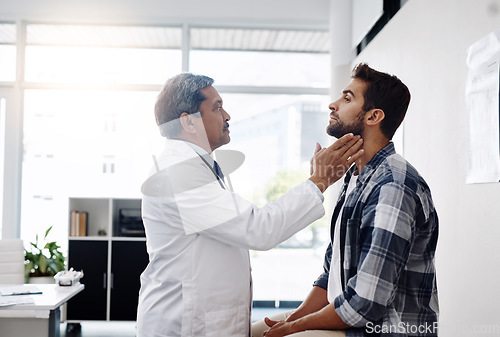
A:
[(41, 318)]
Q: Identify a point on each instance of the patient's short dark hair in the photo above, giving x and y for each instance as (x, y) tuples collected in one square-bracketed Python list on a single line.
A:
[(385, 92)]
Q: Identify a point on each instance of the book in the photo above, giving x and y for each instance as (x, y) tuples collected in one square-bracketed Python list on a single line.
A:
[(78, 224), (82, 223), (72, 223)]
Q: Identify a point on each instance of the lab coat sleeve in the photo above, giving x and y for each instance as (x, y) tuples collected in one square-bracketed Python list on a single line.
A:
[(225, 216)]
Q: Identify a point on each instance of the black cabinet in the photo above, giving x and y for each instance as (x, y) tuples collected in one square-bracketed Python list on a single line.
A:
[(92, 258), (128, 261)]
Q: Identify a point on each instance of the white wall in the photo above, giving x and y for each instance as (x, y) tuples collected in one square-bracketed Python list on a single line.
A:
[(425, 45), (166, 11)]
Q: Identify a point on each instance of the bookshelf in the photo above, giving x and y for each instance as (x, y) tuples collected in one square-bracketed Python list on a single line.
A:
[(103, 214), (98, 214), (112, 259)]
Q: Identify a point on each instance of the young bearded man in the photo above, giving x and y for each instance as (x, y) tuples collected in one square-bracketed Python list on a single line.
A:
[(379, 274)]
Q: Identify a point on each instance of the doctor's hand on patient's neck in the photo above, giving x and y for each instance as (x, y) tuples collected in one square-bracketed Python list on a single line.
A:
[(329, 164)]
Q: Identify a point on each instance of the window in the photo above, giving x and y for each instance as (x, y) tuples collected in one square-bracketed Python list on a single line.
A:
[(88, 114), (274, 84), (261, 57), (83, 143), (102, 54), (260, 68), (7, 52), (277, 134), (89, 128), (100, 65)]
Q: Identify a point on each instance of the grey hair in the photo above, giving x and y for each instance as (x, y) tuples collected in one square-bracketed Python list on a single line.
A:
[(180, 93)]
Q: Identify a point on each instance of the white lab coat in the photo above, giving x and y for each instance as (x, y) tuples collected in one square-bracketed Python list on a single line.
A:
[(198, 280)]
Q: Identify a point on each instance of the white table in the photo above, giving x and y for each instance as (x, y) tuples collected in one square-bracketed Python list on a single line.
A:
[(41, 318)]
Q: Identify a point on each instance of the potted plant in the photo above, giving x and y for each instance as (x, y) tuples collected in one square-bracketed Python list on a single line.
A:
[(43, 260)]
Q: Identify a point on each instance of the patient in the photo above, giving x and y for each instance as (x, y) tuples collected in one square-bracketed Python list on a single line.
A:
[(379, 274)]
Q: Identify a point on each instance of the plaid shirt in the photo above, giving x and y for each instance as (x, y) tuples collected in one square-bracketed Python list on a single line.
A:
[(389, 231)]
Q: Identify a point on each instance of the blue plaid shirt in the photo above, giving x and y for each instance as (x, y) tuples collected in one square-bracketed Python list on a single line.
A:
[(389, 232)]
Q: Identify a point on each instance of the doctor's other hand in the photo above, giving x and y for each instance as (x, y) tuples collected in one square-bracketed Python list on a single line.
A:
[(329, 164)]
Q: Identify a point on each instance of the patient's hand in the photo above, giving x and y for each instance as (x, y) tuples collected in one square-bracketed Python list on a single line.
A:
[(278, 328)]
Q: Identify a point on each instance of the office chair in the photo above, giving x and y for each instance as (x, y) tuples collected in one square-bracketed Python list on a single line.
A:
[(11, 261)]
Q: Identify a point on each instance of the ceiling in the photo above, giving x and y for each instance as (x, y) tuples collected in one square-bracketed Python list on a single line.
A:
[(260, 39), (249, 39)]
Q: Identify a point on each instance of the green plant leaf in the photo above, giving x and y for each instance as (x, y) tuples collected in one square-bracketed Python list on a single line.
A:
[(42, 264), (47, 232), (28, 267), (44, 260)]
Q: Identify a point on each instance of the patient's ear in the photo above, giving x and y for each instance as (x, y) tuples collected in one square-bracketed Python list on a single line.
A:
[(186, 121), (374, 116)]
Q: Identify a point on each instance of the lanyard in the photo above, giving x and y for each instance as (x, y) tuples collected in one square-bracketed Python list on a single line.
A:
[(211, 169)]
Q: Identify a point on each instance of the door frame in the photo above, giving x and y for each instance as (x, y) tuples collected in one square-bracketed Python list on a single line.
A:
[(11, 156)]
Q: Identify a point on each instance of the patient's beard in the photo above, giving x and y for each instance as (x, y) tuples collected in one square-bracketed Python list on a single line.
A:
[(340, 128)]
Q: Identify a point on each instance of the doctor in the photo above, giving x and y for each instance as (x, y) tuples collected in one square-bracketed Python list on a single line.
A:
[(198, 280)]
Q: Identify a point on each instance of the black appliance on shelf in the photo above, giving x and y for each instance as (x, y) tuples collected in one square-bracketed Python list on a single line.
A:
[(130, 222)]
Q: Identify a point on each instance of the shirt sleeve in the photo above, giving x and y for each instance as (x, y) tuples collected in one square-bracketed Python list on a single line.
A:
[(322, 280), (316, 188), (386, 232)]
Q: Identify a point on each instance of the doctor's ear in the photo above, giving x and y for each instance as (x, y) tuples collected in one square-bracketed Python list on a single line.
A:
[(186, 121)]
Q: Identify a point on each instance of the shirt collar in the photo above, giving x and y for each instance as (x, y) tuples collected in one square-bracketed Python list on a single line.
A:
[(202, 152), (372, 165)]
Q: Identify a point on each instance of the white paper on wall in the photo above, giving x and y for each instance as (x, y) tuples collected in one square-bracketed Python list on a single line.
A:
[(482, 104)]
